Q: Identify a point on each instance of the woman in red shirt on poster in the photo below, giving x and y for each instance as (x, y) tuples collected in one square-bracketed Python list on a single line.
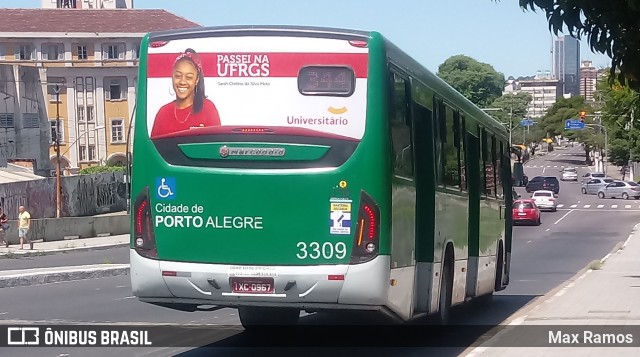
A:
[(191, 108)]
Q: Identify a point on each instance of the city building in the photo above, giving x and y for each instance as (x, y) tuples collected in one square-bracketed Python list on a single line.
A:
[(87, 4), (85, 54), (544, 90), (566, 64), (589, 76)]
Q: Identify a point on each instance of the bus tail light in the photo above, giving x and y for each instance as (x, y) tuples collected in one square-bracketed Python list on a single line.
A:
[(144, 237), (367, 233)]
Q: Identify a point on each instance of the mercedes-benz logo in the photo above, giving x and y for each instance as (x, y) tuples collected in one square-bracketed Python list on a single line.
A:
[(224, 151)]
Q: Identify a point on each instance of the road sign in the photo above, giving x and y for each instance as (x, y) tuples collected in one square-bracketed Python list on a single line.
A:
[(527, 122), (573, 124)]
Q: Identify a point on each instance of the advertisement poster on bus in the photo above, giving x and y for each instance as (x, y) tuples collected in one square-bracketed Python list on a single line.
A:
[(311, 83)]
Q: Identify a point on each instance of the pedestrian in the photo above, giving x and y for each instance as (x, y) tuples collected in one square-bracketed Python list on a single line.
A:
[(23, 229), (4, 228)]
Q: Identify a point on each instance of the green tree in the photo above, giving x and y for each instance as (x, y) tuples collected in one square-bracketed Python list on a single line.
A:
[(611, 27), (513, 109), (621, 103), (478, 82), (569, 108), (101, 169)]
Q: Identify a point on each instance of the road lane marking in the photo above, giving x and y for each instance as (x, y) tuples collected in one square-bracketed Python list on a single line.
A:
[(561, 205), (614, 206), (587, 206), (563, 217), (543, 169), (574, 206), (600, 206), (548, 229), (627, 206), (124, 298)]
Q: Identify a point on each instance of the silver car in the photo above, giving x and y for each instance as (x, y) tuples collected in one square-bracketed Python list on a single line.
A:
[(623, 189), (591, 175), (569, 174), (591, 187)]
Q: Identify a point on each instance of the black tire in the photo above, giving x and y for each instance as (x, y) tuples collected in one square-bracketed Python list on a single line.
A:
[(257, 316), (499, 270), (601, 194), (625, 196), (584, 191), (446, 290), (539, 222)]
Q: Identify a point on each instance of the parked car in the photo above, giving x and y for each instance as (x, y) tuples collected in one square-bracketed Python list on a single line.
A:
[(569, 174), (590, 175), (545, 200), (526, 211), (550, 183), (591, 187), (623, 189)]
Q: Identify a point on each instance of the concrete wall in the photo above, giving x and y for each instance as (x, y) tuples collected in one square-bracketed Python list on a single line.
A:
[(82, 195), (52, 229)]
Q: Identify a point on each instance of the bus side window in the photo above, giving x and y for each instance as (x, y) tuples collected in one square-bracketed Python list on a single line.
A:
[(461, 152), (440, 138), (401, 129), (450, 148)]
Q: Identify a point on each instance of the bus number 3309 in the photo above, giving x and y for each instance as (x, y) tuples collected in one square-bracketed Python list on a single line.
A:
[(326, 250)]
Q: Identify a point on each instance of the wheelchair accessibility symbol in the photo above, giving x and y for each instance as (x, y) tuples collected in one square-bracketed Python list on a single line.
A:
[(166, 188)]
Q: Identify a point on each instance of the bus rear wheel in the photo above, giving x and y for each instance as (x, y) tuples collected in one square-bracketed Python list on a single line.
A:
[(258, 316), (446, 290)]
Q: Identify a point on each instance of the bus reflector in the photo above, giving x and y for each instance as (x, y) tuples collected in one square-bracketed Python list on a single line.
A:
[(144, 237), (336, 277), (356, 43), (368, 227), (169, 273)]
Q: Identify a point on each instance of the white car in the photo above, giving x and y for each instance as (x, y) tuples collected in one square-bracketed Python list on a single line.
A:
[(545, 200), (569, 174)]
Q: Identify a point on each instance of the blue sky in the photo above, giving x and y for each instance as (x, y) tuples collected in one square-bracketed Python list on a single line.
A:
[(513, 41)]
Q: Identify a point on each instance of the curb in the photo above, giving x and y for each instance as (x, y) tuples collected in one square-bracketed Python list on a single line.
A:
[(35, 252), (48, 277)]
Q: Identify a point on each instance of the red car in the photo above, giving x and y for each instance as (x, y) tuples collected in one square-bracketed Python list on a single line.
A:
[(526, 211)]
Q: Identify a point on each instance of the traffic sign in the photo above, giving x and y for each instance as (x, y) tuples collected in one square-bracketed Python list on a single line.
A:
[(527, 122), (573, 124)]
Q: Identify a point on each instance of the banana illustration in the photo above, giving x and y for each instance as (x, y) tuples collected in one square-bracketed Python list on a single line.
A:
[(337, 110)]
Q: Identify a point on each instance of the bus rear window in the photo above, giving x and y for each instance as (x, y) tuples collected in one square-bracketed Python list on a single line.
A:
[(326, 80)]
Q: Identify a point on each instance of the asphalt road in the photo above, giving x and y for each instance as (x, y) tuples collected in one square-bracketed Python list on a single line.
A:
[(543, 257)]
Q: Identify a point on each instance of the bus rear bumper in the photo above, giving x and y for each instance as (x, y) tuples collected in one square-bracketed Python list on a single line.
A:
[(311, 286)]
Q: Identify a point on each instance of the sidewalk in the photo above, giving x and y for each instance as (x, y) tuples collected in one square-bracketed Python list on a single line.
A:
[(10, 278), (606, 294)]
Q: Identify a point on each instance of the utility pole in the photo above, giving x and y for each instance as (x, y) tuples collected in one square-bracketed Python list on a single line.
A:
[(511, 121), (57, 146)]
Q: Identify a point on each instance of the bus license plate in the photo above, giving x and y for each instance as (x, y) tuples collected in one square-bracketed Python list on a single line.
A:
[(252, 285)]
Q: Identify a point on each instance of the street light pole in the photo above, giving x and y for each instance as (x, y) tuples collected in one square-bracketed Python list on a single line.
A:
[(606, 144), (57, 146)]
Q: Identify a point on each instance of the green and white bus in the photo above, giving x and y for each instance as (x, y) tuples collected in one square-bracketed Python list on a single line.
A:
[(288, 169)]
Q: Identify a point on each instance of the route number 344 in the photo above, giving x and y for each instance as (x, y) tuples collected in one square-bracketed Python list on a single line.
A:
[(326, 250)]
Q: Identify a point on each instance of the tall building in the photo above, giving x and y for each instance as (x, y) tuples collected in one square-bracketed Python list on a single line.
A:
[(86, 55), (588, 80), (566, 64)]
